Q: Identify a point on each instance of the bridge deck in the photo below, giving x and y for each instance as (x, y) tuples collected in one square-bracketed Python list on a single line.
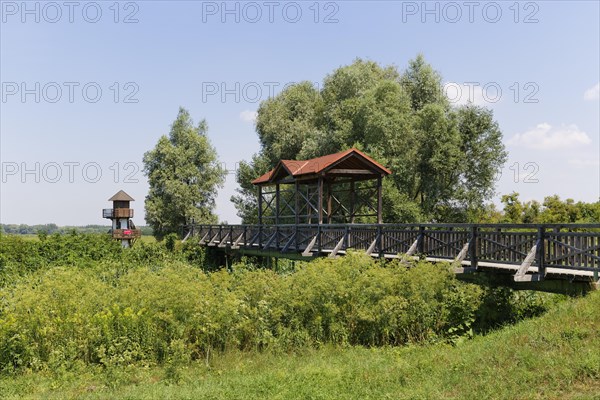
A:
[(532, 252)]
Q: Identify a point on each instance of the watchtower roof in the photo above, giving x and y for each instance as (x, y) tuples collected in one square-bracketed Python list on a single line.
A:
[(121, 196)]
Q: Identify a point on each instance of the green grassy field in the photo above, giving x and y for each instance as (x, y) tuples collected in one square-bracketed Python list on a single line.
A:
[(555, 356)]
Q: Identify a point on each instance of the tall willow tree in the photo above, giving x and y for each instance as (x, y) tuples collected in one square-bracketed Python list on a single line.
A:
[(443, 158), (184, 175)]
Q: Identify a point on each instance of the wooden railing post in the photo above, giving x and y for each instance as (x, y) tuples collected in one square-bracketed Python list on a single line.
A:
[(296, 245), (346, 236), (380, 242), (474, 246), (421, 240), (541, 251), (319, 238)]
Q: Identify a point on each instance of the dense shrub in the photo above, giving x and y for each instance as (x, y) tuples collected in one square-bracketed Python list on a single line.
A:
[(60, 316), (73, 299)]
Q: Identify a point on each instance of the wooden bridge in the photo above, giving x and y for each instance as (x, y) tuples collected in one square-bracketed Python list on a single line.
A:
[(551, 257)]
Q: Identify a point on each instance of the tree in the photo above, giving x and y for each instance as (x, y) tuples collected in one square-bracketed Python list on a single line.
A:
[(552, 211), (184, 175), (443, 158)]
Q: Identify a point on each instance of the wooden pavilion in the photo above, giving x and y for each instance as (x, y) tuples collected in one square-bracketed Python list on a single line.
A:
[(344, 187)]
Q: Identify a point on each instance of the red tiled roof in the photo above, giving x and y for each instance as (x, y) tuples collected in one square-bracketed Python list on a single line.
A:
[(298, 168)]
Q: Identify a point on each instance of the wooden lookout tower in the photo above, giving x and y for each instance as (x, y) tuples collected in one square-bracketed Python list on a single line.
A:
[(123, 228), (344, 187)]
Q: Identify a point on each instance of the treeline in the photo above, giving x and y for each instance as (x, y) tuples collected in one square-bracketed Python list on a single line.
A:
[(23, 229), (552, 210)]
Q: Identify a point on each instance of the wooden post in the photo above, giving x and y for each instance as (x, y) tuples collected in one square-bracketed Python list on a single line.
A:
[(474, 246), (421, 240), (352, 200), (260, 222), (379, 201), (541, 252), (308, 206), (297, 203), (380, 241), (320, 200), (277, 204), (329, 207), (260, 198)]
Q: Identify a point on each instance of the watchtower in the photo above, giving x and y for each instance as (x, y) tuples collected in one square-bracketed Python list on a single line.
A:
[(123, 228)]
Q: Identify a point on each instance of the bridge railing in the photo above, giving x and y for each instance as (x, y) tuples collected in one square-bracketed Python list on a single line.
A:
[(564, 246)]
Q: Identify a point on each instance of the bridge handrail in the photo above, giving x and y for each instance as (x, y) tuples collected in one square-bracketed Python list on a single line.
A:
[(565, 248), (416, 225)]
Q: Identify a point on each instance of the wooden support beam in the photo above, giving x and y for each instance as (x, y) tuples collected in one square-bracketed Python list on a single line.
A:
[(411, 251), (203, 240), (463, 253), (271, 239), (289, 243), (459, 269), (320, 200), (521, 275), (260, 205), (379, 201), (223, 242), (337, 248), (352, 200), (236, 243), (277, 203), (413, 247), (329, 205), (347, 171), (296, 202), (211, 242), (308, 251), (186, 237), (372, 246)]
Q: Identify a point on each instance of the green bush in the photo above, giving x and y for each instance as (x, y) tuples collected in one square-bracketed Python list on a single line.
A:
[(75, 299), (152, 315)]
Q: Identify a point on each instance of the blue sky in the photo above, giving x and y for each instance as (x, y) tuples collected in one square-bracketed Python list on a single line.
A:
[(88, 87)]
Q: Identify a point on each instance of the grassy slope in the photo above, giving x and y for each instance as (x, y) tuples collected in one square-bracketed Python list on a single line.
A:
[(556, 356)]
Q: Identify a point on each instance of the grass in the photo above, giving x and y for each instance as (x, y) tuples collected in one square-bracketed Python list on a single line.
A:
[(555, 356)]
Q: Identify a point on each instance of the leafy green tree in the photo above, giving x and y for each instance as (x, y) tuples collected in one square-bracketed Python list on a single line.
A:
[(246, 200), (184, 175), (482, 156), (553, 210), (443, 158), (423, 84)]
